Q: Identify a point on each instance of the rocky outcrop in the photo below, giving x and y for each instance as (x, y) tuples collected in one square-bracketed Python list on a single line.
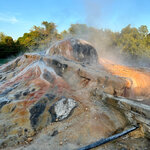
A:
[(74, 49), (56, 100), (138, 79)]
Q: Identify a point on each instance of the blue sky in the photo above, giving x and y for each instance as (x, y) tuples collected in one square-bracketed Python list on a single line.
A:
[(19, 16)]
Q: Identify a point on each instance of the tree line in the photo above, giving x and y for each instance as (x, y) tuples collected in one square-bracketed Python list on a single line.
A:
[(130, 41)]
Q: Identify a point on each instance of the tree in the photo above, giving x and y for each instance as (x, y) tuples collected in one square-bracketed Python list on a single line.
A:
[(134, 42), (143, 30), (39, 38), (7, 46)]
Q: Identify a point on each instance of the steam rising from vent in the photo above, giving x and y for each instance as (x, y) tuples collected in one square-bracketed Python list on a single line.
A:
[(93, 12), (102, 39)]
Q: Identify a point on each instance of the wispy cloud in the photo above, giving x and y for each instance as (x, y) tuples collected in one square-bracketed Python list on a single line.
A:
[(8, 18)]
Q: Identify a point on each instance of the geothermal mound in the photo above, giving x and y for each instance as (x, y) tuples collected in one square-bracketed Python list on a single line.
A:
[(74, 49), (68, 98)]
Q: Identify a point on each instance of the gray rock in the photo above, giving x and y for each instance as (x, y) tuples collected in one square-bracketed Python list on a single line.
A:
[(62, 109)]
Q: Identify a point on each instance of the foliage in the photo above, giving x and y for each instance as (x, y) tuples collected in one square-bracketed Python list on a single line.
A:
[(8, 47), (130, 41), (40, 37)]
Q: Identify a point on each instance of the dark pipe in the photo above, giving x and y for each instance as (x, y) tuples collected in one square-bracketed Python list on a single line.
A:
[(103, 141)]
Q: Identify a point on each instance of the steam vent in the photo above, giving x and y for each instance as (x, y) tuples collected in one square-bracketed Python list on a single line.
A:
[(69, 98)]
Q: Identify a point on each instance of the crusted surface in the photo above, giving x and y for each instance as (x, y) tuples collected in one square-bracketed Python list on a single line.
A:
[(59, 101)]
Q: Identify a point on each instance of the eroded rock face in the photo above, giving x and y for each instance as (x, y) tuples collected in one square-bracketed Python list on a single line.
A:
[(58, 97)]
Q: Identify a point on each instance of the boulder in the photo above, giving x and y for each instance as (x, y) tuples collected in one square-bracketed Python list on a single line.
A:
[(62, 109), (74, 49)]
